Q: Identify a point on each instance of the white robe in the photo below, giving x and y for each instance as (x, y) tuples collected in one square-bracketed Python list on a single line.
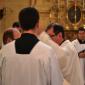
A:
[(40, 67), (79, 47), (68, 60)]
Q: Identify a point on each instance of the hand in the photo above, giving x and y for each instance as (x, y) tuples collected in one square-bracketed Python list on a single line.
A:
[(82, 55)]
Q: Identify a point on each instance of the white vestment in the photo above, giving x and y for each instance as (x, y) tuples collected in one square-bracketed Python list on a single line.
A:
[(80, 47), (40, 67), (68, 60)]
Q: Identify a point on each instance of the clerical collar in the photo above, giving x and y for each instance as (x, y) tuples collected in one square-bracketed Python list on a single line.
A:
[(62, 42), (25, 43), (81, 41)]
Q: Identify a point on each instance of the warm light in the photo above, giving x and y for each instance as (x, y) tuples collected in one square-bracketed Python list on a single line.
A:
[(75, 27), (67, 27), (50, 15), (84, 26)]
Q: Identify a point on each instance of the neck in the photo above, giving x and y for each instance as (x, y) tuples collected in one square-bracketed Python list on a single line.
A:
[(81, 41), (31, 32), (62, 41)]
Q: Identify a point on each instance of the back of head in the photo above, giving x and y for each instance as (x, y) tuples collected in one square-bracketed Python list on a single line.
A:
[(49, 26), (10, 35), (58, 28), (28, 18), (16, 24)]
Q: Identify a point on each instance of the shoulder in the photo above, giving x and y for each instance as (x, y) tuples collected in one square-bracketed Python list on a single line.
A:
[(74, 41), (47, 51), (42, 50), (44, 37), (44, 46), (66, 43), (9, 44), (8, 48), (68, 47)]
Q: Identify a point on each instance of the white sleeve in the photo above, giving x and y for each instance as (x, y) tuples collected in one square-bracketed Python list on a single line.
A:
[(56, 75), (1, 62), (76, 73), (72, 71)]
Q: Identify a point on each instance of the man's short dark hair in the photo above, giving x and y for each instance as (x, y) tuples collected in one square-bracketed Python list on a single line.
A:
[(57, 28), (49, 26), (81, 29), (28, 18), (7, 34), (16, 24)]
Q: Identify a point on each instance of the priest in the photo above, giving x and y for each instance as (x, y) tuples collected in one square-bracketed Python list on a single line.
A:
[(27, 60), (79, 44), (67, 55)]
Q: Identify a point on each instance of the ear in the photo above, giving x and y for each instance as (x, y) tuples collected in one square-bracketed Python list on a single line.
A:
[(60, 34), (37, 25)]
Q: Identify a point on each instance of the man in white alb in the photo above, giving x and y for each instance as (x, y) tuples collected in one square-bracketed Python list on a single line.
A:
[(79, 44), (27, 60), (67, 55)]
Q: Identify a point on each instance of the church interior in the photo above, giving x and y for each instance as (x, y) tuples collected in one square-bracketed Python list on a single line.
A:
[(69, 13)]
